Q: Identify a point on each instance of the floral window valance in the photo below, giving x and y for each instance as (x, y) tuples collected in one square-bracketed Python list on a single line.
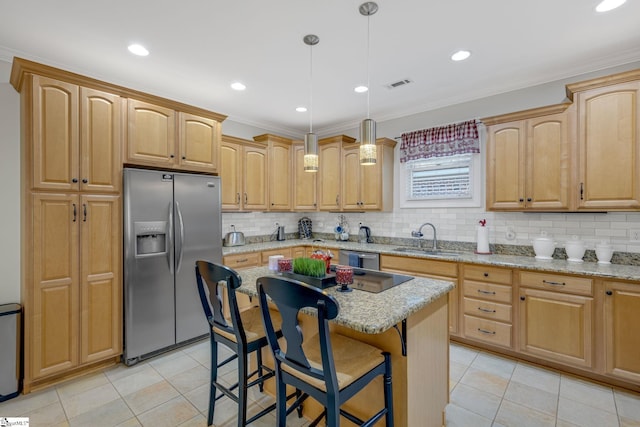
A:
[(458, 138)]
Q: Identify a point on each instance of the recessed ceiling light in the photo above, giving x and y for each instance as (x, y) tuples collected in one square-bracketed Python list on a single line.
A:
[(138, 49), (361, 89), (460, 55), (238, 86), (301, 109), (607, 5)]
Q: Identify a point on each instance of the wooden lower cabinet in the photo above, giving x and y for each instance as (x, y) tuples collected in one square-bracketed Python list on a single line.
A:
[(435, 269), (621, 337), (556, 326), (75, 288)]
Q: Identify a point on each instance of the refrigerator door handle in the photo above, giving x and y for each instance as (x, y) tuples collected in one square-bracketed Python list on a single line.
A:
[(180, 244), (170, 259)]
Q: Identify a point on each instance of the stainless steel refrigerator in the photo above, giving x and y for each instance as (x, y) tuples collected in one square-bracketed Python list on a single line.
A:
[(170, 221)]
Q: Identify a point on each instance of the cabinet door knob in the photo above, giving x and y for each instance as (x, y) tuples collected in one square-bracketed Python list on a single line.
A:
[(521, 298), (172, 156), (609, 293), (528, 199), (74, 180), (85, 180), (521, 200), (486, 274), (184, 157)]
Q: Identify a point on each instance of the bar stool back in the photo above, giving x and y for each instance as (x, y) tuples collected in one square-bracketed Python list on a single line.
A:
[(243, 335), (329, 367)]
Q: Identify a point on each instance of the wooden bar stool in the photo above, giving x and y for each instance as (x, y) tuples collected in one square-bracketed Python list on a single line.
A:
[(245, 335), (330, 368)]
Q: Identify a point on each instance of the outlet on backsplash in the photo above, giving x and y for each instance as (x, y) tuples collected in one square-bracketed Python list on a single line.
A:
[(634, 236)]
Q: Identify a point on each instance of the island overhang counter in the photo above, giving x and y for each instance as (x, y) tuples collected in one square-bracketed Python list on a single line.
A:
[(411, 322)]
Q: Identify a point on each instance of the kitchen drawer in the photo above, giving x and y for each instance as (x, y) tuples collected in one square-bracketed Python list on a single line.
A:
[(285, 252), (488, 331), (487, 309), (251, 259), (488, 274), (487, 291), (557, 282), (417, 266)]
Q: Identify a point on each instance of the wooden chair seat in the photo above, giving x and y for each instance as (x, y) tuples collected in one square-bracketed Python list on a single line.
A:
[(352, 360), (252, 323)]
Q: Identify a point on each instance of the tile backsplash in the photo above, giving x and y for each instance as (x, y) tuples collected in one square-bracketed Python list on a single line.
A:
[(457, 225)]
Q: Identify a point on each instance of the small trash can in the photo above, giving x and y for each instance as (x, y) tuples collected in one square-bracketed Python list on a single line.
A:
[(10, 351)]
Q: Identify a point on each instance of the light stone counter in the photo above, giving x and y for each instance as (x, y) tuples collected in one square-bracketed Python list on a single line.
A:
[(616, 271), (365, 311)]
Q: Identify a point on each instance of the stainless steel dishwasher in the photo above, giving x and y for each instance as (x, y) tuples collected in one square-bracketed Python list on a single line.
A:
[(369, 260)]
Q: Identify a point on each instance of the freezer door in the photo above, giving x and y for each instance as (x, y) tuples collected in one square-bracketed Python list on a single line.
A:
[(149, 312), (198, 236)]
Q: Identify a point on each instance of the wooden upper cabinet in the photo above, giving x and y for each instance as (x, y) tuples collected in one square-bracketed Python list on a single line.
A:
[(279, 173), (199, 142), (255, 190), (160, 136), (329, 173), (231, 174), (350, 178), (243, 173), (367, 187), (100, 141), (76, 137), (151, 134), (609, 147), (54, 133), (304, 183), (528, 160)]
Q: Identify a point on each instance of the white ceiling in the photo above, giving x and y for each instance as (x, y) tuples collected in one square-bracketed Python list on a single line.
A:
[(199, 47)]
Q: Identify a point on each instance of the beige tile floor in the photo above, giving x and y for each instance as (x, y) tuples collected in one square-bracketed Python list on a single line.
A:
[(171, 390)]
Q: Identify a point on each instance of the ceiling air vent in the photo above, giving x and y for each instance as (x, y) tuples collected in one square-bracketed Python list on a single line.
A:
[(399, 83)]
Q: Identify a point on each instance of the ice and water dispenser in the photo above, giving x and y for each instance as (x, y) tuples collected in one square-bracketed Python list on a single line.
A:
[(151, 237)]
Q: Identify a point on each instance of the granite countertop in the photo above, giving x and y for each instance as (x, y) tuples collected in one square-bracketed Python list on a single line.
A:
[(616, 271), (365, 311)]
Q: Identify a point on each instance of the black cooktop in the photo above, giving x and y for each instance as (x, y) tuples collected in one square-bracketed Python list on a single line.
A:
[(375, 281)]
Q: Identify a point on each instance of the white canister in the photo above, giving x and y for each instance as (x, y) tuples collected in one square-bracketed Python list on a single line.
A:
[(604, 252), (575, 249), (273, 262)]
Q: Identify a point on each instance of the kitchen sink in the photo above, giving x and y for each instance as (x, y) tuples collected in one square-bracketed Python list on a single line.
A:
[(430, 252)]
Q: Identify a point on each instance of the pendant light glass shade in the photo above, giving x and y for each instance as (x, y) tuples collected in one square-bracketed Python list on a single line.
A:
[(368, 153), (310, 160)]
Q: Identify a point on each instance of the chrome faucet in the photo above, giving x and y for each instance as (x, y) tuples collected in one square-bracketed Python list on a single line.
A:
[(419, 235)]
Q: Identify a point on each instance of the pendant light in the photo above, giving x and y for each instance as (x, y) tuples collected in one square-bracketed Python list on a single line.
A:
[(368, 126), (310, 160)]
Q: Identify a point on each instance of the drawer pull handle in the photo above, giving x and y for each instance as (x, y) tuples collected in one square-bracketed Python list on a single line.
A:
[(552, 283), (242, 260), (486, 310), (486, 274), (483, 292), (484, 331)]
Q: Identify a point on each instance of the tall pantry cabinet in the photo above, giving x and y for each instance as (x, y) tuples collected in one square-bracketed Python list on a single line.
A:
[(71, 228)]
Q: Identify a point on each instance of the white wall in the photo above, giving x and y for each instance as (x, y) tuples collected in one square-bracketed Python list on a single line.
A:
[(9, 189)]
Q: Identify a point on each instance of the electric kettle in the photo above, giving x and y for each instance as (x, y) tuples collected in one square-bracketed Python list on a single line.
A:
[(364, 235)]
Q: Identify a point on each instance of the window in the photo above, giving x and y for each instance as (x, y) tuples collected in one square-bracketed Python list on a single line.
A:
[(452, 181)]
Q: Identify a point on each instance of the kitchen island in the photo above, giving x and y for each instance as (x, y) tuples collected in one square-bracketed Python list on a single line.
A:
[(411, 322)]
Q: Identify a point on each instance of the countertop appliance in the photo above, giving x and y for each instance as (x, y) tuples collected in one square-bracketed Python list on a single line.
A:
[(364, 235), (233, 238), (170, 221), (375, 281), (369, 260)]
